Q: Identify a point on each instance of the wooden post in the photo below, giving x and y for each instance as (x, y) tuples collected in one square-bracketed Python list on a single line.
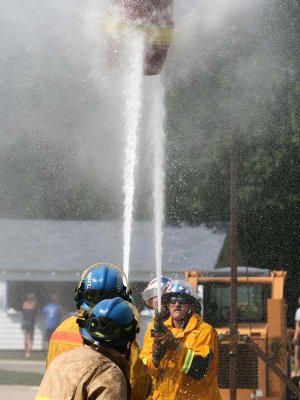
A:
[(233, 266)]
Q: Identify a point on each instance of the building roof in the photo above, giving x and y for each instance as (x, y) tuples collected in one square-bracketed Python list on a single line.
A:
[(241, 271), (60, 250)]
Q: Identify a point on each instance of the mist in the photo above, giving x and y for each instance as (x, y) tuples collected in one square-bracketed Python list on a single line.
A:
[(62, 101)]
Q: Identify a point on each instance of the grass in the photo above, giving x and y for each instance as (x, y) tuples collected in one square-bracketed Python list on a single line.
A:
[(19, 355), (20, 378), (29, 378)]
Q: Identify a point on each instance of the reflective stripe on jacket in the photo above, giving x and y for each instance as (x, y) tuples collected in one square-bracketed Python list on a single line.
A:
[(175, 375), (67, 337), (82, 374)]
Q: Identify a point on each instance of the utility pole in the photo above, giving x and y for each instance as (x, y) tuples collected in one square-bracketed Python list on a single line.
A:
[(233, 266)]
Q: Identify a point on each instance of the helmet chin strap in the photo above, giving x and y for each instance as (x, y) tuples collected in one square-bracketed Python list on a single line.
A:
[(188, 315), (128, 352), (95, 346)]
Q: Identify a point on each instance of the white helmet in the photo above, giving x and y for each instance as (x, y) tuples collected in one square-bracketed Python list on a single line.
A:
[(151, 289)]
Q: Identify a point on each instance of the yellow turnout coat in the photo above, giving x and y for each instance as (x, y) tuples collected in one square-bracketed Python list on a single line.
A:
[(82, 374), (172, 379), (67, 337)]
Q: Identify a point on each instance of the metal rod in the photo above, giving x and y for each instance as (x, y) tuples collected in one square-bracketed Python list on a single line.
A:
[(233, 266), (270, 363)]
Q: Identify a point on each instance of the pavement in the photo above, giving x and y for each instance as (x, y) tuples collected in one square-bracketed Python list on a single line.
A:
[(37, 367), (17, 392)]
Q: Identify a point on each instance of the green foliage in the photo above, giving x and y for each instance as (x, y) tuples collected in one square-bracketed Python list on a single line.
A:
[(38, 181), (251, 88), (247, 84)]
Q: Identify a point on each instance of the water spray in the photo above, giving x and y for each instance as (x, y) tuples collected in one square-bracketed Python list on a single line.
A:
[(157, 128), (133, 92)]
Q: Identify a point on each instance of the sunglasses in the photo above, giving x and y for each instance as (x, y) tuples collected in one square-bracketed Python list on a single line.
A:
[(180, 300)]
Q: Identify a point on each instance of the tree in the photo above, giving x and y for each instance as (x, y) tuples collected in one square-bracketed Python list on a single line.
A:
[(253, 83)]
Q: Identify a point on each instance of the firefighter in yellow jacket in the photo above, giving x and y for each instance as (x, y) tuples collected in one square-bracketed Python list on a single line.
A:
[(98, 370), (182, 353), (98, 282)]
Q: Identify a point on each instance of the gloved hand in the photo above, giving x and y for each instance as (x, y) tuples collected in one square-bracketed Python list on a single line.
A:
[(158, 351), (163, 343)]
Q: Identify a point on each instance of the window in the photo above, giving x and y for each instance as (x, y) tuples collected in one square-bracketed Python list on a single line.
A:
[(17, 290), (251, 303)]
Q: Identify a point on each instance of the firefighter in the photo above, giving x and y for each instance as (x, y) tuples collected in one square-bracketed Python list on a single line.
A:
[(98, 370), (149, 294), (182, 355), (98, 282)]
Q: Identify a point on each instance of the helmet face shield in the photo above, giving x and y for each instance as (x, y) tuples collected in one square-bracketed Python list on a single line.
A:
[(181, 299), (109, 331), (179, 290), (149, 294), (110, 323), (103, 329), (93, 296), (151, 290)]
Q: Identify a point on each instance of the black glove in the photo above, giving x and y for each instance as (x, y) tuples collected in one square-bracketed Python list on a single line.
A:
[(158, 352), (163, 343)]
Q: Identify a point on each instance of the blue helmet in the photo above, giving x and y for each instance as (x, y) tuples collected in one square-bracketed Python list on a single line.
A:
[(100, 281), (110, 323)]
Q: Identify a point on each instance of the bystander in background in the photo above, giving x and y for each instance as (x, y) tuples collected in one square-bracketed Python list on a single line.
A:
[(29, 311), (52, 317)]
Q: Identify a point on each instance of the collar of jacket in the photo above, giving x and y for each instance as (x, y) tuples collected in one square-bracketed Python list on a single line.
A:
[(191, 325)]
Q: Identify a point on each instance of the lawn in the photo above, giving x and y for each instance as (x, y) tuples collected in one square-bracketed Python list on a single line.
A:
[(20, 378), (19, 355)]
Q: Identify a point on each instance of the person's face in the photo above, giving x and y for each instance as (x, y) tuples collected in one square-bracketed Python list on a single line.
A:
[(153, 303), (178, 309)]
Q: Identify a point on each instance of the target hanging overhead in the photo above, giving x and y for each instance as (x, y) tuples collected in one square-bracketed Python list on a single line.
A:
[(154, 18)]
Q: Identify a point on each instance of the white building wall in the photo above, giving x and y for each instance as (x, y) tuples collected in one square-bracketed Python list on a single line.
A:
[(3, 295), (11, 335)]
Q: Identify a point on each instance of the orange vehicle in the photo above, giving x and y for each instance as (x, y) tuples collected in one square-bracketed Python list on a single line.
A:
[(261, 317), (152, 17)]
